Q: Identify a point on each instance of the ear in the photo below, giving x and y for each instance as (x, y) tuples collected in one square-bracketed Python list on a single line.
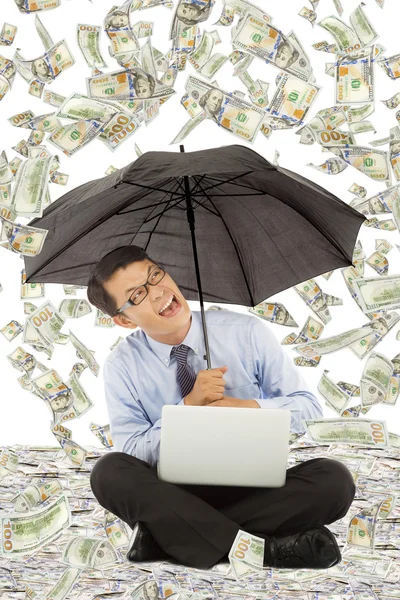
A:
[(123, 321)]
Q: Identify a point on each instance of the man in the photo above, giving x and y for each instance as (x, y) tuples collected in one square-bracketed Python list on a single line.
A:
[(193, 524)]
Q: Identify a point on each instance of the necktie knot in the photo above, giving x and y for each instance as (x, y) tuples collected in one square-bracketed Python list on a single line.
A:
[(181, 352)]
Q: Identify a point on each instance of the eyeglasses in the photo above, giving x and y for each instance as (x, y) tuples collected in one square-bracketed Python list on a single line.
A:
[(140, 293)]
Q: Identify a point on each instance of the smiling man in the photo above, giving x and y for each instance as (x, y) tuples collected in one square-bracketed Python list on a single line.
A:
[(196, 525)]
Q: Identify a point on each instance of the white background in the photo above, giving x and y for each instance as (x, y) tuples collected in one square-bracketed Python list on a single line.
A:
[(25, 418)]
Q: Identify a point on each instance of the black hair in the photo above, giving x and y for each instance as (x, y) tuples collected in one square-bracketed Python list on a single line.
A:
[(103, 271)]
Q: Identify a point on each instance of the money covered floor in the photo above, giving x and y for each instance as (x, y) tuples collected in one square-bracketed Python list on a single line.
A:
[(58, 542)]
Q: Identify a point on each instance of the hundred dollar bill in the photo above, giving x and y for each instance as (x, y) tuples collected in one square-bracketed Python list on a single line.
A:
[(332, 166), (380, 326), (246, 554), (255, 36), (189, 126), (393, 101), (362, 26), (87, 356), (378, 293), (89, 43), (7, 34), (126, 84), (237, 116), (354, 76), (293, 98), (47, 322), (314, 297), (23, 534), (64, 585), (58, 396), (333, 343), (345, 37), (82, 403), (275, 312), (379, 203), (202, 53), (73, 137), (31, 184), (12, 330), (375, 379), (373, 163), (103, 434), (74, 308), (311, 330), (29, 6), (118, 28), (22, 360), (48, 66), (77, 106), (334, 396), (74, 451), (103, 320), (348, 431), (84, 552), (24, 239), (116, 530), (391, 65), (33, 495)]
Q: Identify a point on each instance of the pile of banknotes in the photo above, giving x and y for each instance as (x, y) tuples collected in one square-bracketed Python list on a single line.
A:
[(58, 542)]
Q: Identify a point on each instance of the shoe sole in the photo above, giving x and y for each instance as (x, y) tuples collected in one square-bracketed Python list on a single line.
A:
[(133, 537)]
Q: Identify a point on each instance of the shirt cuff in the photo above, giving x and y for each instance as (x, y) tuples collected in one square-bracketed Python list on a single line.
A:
[(276, 402)]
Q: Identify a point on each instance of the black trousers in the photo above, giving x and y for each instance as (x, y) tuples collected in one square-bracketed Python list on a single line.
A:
[(197, 524)]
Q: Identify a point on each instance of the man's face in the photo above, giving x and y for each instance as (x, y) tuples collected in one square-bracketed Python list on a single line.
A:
[(142, 88), (214, 101), (41, 67), (187, 11), (280, 316), (376, 206), (283, 55), (146, 314), (60, 403), (118, 21), (151, 589)]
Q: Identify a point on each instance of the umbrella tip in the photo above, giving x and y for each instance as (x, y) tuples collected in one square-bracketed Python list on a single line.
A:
[(182, 148)]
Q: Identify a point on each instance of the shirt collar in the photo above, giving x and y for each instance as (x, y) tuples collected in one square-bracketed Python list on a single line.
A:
[(192, 339)]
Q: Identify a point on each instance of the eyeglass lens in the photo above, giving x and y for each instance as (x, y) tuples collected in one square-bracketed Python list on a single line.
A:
[(140, 293)]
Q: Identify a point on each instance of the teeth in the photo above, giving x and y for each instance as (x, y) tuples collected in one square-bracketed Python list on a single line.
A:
[(166, 305)]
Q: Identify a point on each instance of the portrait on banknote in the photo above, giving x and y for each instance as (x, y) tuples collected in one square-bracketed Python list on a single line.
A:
[(191, 13), (211, 101)]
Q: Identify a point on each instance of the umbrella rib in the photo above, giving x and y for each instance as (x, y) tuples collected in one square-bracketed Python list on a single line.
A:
[(220, 182), (234, 245)]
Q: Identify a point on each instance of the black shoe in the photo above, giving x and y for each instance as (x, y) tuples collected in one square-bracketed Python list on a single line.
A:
[(143, 546), (313, 549)]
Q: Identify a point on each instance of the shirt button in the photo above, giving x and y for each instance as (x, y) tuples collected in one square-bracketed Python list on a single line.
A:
[(166, 360)]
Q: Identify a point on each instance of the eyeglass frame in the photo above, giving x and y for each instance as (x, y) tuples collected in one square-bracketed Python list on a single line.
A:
[(129, 302)]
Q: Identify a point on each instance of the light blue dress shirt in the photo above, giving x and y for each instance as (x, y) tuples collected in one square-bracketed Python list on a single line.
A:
[(140, 377)]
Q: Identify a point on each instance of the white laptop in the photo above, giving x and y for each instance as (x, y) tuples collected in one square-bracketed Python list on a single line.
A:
[(224, 445)]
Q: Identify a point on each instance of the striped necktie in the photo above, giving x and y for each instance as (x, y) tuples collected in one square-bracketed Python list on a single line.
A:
[(186, 375)]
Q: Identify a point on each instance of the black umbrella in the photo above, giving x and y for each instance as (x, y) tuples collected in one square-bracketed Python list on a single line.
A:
[(260, 228)]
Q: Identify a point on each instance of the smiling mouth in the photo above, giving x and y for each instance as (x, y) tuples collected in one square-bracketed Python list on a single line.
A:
[(172, 309)]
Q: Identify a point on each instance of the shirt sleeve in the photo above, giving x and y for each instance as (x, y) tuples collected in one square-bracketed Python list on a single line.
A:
[(279, 379), (131, 431)]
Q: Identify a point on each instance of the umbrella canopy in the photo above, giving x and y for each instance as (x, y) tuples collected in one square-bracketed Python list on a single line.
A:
[(259, 228)]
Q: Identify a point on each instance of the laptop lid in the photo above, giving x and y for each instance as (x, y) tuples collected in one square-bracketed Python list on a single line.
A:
[(224, 445)]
